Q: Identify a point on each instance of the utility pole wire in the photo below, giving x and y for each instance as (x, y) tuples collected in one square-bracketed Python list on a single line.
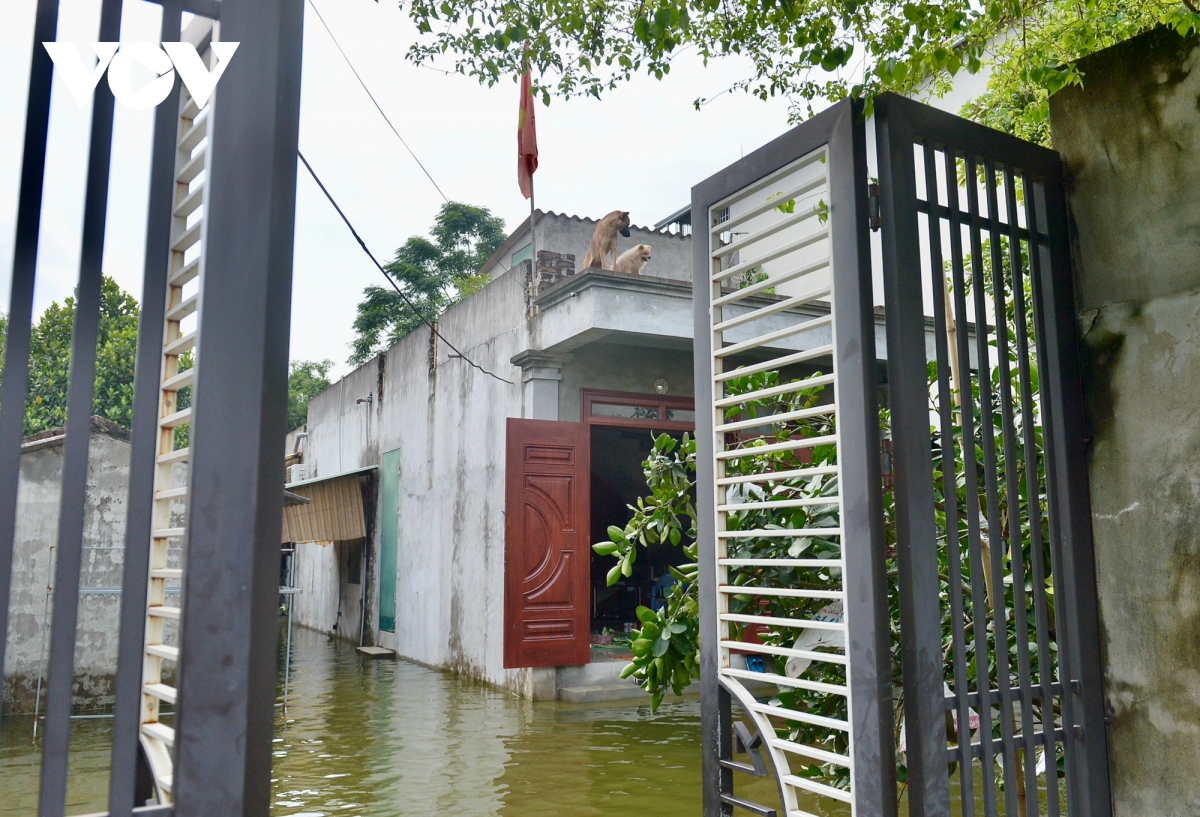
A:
[(372, 96), (399, 291)]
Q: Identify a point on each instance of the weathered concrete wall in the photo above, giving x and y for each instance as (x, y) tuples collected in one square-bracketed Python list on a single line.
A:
[(1131, 142), (592, 367), (325, 591), (104, 546), (449, 424)]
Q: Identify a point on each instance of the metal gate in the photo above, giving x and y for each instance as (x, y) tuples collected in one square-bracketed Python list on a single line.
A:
[(791, 524), (855, 627), (993, 534), (219, 236)]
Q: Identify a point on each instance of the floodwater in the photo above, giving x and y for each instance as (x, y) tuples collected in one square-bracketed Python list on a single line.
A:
[(382, 737)]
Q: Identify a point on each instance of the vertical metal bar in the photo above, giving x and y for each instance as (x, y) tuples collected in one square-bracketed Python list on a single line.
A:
[(80, 392), (966, 774), (287, 650), (991, 465), (127, 691), (979, 600), (949, 476), (15, 381), (229, 630), (1033, 490), (1088, 787), (860, 482), (1012, 481), (916, 533), (715, 729)]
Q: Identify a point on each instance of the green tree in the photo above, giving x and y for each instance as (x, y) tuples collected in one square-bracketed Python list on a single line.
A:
[(435, 273), (50, 355), (803, 50), (306, 379)]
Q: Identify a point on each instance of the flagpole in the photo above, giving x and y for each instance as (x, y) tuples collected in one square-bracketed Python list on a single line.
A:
[(537, 281)]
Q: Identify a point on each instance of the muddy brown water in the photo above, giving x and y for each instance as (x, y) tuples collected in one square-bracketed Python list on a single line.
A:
[(381, 737)]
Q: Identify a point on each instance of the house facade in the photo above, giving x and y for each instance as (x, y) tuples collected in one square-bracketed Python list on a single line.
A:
[(503, 465)]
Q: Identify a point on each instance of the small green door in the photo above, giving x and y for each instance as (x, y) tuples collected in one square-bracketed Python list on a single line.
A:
[(389, 533)]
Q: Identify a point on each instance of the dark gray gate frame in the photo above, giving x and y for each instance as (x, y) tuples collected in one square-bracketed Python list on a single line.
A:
[(902, 124), (841, 129), (225, 712)]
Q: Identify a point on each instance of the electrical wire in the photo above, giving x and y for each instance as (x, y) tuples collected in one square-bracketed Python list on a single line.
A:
[(399, 291), (372, 96)]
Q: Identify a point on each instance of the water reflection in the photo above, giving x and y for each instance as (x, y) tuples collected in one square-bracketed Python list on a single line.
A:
[(392, 738), (364, 737)]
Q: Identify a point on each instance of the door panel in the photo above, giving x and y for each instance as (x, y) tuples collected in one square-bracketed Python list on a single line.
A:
[(389, 533), (547, 557)]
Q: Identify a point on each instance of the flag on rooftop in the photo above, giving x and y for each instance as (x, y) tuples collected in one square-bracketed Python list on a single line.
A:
[(527, 152)]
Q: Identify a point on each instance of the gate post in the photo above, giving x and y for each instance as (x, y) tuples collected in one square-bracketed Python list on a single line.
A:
[(916, 534), (1085, 727), (227, 675)]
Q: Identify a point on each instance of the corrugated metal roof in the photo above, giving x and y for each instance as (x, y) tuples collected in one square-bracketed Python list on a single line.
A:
[(356, 472)]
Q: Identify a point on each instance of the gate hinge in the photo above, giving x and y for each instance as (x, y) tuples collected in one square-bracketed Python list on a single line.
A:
[(873, 216)]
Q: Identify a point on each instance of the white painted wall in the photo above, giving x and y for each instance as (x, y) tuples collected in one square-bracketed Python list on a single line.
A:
[(449, 425)]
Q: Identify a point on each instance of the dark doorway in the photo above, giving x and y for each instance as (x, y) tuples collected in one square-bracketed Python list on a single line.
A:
[(617, 481)]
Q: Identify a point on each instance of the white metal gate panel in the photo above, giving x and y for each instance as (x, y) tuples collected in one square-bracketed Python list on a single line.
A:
[(791, 560)]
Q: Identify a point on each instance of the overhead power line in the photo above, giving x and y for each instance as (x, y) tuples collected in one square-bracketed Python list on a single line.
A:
[(372, 96), (399, 291)]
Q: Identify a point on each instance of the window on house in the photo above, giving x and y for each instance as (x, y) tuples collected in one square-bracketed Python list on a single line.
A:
[(354, 552), (523, 254), (626, 410), (644, 410)]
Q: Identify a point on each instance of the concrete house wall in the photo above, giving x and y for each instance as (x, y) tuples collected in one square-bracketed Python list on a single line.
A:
[(1130, 138), (38, 498), (448, 421)]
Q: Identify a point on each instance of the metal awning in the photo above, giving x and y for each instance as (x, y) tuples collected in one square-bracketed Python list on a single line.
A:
[(334, 511), (366, 469)]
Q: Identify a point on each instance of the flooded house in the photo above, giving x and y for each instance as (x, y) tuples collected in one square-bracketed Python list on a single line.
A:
[(491, 466)]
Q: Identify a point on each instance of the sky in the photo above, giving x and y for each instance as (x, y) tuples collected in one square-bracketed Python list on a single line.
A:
[(640, 149)]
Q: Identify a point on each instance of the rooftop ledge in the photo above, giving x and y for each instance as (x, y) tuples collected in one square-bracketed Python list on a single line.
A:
[(597, 304), (621, 307)]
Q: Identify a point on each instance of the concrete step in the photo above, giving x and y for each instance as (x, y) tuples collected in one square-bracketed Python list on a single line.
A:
[(597, 672), (596, 693)]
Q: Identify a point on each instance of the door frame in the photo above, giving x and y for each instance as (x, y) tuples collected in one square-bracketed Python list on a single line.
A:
[(589, 397)]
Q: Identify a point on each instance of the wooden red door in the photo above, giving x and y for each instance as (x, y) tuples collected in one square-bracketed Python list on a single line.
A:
[(547, 555)]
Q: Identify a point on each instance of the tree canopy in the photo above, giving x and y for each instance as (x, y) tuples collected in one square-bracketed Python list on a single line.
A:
[(50, 356), (306, 379), (435, 273), (116, 352), (804, 50)]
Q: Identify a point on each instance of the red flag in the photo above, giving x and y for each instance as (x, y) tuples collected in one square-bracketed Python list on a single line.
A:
[(527, 152)]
